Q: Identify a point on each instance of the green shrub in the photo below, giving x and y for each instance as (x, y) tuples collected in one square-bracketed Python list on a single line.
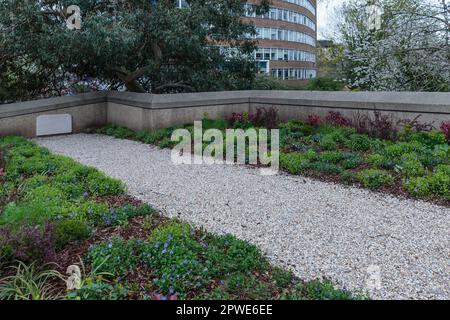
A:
[(152, 137), (418, 186), (38, 206), (227, 254), (295, 162), (99, 214), (326, 290), (173, 253), (328, 142), (324, 84), (35, 181), (219, 124), (348, 177), (116, 257), (248, 286), (437, 183), (117, 132), (324, 167), (101, 185), (440, 182), (375, 179), (282, 278), (98, 290), (350, 160), (443, 169), (139, 211), (217, 294), (429, 139), (398, 149), (380, 161), (293, 126), (166, 143), (359, 142), (6, 188), (330, 157), (411, 168), (69, 231)]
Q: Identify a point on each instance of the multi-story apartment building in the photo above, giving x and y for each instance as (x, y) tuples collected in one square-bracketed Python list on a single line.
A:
[(287, 37)]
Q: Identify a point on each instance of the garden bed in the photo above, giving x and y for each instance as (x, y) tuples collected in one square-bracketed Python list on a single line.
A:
[(59, 213), (371, 153)]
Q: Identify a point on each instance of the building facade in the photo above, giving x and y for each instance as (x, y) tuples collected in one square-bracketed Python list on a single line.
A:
[(287, 37)]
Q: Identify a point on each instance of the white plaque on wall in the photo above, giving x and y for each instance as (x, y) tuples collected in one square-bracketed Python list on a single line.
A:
[(53, 124)]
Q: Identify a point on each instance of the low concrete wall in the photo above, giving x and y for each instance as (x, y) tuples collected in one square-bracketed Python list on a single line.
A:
[(149, 112), (87, 110)]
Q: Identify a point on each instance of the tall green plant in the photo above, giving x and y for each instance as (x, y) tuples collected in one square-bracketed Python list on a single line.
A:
[(31, 283)]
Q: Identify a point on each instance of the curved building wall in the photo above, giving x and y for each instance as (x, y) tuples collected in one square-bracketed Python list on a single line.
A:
[(287, 37)]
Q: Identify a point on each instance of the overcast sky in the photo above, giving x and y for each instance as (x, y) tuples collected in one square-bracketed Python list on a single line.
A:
[(325, 11)]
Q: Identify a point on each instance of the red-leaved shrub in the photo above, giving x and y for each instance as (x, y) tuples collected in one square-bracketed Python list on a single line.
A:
[(267, 118), (314, 120), (445, 127), (31, 243), (336, 118)]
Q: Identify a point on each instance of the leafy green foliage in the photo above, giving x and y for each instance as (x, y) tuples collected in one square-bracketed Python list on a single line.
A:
[(436, 183), (282, 277), (30, 282), (116, 257), (247, 285), (70, 231), (326, 290), (375, 179), (324, 84), (101, 185), (98, 290), (296, 163), (173, 252), (227, 254), (136, 44)]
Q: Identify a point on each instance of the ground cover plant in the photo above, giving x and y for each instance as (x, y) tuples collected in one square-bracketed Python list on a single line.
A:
[(403, 157), (56, 213)]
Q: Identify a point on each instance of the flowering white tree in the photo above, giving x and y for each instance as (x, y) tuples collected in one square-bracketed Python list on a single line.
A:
[(408, 50)]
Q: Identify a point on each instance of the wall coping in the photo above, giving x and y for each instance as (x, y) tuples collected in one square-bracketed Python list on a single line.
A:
[(42, 105), (422, 102)]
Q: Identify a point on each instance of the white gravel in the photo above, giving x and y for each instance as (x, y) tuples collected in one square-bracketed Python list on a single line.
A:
[(317, 229)]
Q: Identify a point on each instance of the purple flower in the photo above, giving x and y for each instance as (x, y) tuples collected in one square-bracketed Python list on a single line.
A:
[(110, 245), (171, 252), (171, 291)]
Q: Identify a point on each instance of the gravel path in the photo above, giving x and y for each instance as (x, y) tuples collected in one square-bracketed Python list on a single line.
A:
[(317, 229)]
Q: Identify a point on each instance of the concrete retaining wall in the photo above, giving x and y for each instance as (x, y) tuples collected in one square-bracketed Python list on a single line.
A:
[(149, 112)]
